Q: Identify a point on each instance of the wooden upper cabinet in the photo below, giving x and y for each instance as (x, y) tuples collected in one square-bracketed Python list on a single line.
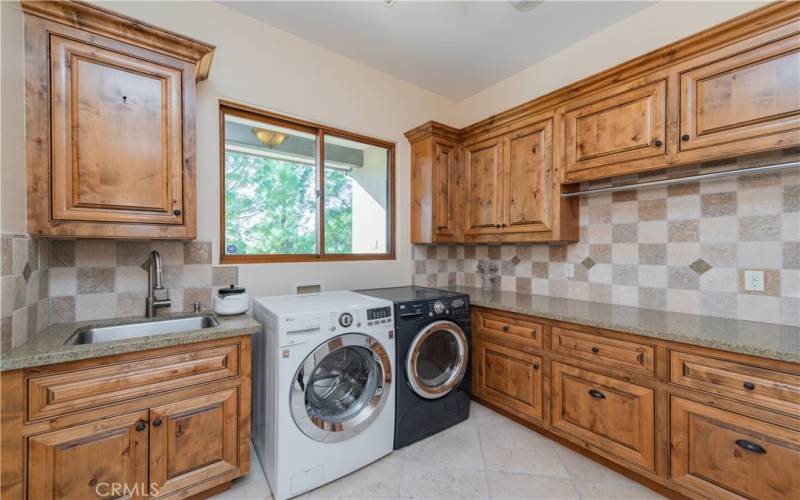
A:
[(116, 136), (617, 130), (742, 98), (110, 120), (483, 164), (86, 460), (529, 178), (446, 184), (436, 184)]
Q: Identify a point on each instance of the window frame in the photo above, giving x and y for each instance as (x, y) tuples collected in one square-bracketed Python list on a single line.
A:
[(320, 131)]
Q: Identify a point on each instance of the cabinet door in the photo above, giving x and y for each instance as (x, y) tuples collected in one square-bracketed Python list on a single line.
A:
[(116, 136), (620, 125), (610, 414), (726, 455), (194, 440), (98, 460), (528, 178), (510, 379), (740, 96), (446, 183), (484, 186)]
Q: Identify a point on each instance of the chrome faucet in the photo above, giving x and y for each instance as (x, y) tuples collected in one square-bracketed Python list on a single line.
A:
[(154, 283)]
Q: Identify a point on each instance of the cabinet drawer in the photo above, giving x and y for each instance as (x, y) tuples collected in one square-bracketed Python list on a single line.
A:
[(622, 354), (51, 395), (726, 455), (511, 328), (610, 414), (751, 384)]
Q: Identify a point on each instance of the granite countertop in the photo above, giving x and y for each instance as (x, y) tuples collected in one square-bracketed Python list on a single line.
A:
[(48, 346), (780, 342)]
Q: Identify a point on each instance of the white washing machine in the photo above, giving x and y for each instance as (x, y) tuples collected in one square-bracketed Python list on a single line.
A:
[(323, 387)]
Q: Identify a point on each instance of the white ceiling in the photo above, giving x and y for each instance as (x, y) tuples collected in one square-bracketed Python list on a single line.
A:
[(454, 49)]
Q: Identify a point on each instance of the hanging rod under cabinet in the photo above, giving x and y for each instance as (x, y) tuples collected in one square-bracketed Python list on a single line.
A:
[(689, 178)]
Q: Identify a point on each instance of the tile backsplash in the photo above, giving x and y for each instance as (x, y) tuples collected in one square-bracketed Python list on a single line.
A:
[(96, 279), (683, 248), (24, 264)]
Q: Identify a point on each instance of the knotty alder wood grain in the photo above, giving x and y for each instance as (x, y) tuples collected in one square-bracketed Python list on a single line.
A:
[(668, 413), (185, 437), (116, 157), (731, 90)]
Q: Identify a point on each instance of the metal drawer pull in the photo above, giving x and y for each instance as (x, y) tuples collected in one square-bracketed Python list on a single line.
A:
[(156, 422), (596, 394), (749, 386), (750, 446), (140, 425), (595, 350)]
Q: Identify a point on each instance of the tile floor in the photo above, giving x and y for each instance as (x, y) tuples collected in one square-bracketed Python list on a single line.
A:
[(488, 456)]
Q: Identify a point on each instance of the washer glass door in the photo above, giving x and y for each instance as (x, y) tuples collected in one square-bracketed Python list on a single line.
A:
[(341, 387), (437, 359)]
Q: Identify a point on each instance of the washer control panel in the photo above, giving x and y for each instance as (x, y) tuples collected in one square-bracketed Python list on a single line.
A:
[(379, 316)]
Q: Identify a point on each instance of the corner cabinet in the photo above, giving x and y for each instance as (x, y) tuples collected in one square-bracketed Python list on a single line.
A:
[(170, 422), (110, 124), (436, 184)]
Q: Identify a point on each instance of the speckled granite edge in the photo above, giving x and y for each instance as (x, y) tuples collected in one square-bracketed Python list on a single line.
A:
[(778, 342), (48, 346)]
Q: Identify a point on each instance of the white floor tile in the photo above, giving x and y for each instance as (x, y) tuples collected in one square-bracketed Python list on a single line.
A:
[(430, 482), (503, 485)]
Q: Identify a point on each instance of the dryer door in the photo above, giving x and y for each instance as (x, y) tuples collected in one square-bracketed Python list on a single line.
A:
[(437, 359), (341, 387)]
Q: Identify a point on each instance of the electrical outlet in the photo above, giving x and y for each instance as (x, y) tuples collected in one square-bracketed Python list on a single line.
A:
[(569, 270), (754, 281)]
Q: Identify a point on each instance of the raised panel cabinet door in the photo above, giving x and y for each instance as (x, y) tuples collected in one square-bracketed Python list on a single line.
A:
[(528, 178), (747, 96), (722, 454), (484, 186), (446, 184), (616, 126), (610, 414), (194, 440), (117, 153), (105, 459), (510, 379)]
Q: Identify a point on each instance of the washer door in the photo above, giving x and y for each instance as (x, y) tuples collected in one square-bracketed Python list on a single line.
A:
[(341, 387), (437, 359)]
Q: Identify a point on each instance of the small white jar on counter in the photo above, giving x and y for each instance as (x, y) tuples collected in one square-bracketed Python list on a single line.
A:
[(231, 300)]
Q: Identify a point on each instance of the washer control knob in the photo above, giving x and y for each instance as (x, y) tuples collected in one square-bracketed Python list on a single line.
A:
[(346, 319), (438, 307)]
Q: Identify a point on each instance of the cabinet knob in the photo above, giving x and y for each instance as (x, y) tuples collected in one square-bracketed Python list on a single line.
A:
[(596, 394), (750, 446), (749, 386), (502, 225), (657, 143), (595, 350), (176, 212), (156, 422), (497, 225), (504, 328), (140, 425), (536, 366), (685, 137)]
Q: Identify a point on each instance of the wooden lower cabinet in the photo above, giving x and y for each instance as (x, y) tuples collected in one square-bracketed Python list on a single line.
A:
[(509, 378), (608, 413), (194, 439), (170, 440), (91, 460), (722, 454)]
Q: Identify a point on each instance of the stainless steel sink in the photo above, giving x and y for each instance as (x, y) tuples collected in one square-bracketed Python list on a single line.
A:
[(93, 335)]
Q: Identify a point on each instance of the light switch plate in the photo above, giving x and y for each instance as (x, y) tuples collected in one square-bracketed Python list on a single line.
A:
[(569, 270), (754, 281)]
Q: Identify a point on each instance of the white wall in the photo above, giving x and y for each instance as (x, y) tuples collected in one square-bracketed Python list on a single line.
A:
[(12, 119), (260, 65), (648, 29)]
